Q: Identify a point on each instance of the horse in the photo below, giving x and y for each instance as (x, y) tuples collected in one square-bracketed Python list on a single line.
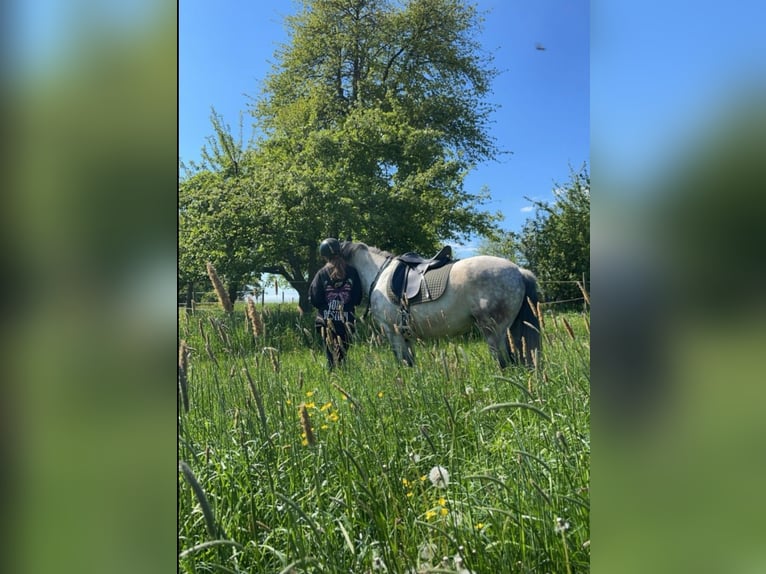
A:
[(490, 292)]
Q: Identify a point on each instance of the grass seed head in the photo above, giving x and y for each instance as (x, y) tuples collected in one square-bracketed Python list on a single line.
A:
[(568, 328), (585, 294), (273, 354), (256, 321), (183, 366), (223, 295), (308, 430)]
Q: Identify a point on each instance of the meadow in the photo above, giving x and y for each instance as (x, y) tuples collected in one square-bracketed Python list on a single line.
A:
[(449, 466)]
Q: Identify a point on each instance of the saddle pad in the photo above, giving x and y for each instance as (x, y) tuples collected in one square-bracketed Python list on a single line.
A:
[(435, 279)]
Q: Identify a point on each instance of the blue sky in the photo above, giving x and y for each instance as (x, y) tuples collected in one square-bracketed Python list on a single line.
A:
[(663, 73), (226, 49)]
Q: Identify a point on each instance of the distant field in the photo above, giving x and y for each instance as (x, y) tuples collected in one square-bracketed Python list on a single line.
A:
[(450, 466)]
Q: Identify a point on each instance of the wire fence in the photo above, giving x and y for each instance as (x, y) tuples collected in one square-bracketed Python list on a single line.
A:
[(200, 305)]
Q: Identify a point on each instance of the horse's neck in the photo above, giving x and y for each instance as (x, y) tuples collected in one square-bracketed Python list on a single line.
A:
[(367, 265)]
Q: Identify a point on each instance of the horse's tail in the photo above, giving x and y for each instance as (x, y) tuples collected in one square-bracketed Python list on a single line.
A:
[(526, 327)]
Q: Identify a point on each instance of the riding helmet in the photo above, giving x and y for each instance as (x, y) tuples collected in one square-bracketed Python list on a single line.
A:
[(329, 248)]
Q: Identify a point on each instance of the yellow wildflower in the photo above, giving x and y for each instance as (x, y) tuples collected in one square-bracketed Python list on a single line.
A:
[(326, 406), (443, 511), (309, 394), (380, 395), (430, 514)]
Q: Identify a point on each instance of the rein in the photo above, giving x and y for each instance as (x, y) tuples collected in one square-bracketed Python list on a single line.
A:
[(374, 282)]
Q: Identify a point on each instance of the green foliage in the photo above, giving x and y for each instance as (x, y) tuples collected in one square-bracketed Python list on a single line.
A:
[(372, 116), (216, 219), (502, 245), (555, 244), (516, 446)]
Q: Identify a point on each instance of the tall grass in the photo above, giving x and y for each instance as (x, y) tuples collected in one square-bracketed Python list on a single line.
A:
[(310, 471)]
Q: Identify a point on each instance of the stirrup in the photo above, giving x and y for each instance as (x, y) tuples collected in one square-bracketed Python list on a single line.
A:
[(403, 324)]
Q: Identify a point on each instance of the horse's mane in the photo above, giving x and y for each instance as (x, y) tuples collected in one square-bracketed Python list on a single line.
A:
[(348, 248)]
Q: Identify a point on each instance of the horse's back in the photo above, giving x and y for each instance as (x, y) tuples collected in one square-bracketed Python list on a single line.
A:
[(479, 287), (485, 272), (487, 280)]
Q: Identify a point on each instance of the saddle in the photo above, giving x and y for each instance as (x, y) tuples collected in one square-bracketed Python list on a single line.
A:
[(412, 280)]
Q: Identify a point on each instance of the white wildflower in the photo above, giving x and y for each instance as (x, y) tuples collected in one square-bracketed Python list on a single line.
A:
[(427, 551), (561, 525), (415, 457), (378, 564), (457, 560), (439, 477)]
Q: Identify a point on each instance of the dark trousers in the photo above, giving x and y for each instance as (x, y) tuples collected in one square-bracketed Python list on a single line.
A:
[(336, 338)]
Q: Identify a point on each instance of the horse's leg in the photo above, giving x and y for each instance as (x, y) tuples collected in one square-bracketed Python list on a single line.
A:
[(498, 343), (525, 329), (400, 345), (408, 355), (524, 347), (500, 347), (513, 345)]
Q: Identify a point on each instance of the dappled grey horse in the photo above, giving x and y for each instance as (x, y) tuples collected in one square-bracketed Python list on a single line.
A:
[(493, 293)]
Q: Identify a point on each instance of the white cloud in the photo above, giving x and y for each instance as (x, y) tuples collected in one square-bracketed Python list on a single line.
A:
[(527, 208)]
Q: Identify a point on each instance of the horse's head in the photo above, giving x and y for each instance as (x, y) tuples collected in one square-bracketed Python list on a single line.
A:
[(348, 248)]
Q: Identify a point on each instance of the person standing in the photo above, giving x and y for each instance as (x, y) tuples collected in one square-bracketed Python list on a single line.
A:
[(335, 291)]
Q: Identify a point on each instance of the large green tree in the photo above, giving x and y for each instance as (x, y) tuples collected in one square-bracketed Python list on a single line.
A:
[(371, 118)]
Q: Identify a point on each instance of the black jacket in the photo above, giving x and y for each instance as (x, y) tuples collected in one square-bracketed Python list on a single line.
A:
[(336, 300)]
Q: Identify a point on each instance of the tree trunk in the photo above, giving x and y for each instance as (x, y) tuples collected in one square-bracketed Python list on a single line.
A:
[(301, 284), (233, 288), (303, 296)]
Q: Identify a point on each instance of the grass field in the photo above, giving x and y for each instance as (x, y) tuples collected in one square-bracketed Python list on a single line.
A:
[(450, 466)]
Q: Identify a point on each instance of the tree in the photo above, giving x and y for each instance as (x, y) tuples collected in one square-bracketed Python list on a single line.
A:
[(503, 244), (370, 121), (555, 244), (216, 220)]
